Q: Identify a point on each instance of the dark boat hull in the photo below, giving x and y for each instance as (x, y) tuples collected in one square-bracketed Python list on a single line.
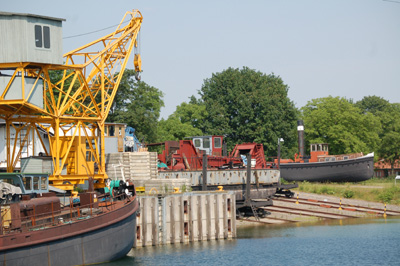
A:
[(111, 238), (352, 170)]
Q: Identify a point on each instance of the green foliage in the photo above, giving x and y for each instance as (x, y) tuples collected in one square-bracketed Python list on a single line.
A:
[(389, 116), (389, 194), (372, 104), (193, 113), (389, 148), (78, 189), (341, 124), (138, 105), (184, 188), (374, 189), (327, 190), (186, 121), (249, 106), (174, 129), (324, 190), (348, 194), (385, 196), (55, 77)]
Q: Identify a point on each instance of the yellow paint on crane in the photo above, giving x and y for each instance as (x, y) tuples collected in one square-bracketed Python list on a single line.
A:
[(76, 107)]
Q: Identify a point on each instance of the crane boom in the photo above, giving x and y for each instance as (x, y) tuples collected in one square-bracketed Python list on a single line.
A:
[(75, 106)]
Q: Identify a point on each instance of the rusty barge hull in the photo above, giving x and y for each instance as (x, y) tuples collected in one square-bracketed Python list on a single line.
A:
[(351, 170), (97, 239)]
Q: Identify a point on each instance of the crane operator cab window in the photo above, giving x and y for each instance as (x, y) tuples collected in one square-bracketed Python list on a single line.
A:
[(217, 142), (206, 143), (197, 143), (42, 36)]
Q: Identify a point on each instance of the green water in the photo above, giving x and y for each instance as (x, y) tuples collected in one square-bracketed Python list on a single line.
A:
[(338, 242)]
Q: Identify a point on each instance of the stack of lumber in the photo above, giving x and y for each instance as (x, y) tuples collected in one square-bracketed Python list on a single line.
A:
[(134, 165)]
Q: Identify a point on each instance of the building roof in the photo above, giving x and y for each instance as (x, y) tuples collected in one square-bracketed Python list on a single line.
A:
[(30, 15), (382, 164)]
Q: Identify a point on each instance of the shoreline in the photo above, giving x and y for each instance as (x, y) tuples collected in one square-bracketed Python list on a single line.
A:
[(313, 208)]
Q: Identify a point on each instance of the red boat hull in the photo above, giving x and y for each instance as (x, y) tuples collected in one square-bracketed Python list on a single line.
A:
[(105, 237)]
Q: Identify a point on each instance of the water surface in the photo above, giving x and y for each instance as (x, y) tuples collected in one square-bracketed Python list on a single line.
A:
[(338, 242)]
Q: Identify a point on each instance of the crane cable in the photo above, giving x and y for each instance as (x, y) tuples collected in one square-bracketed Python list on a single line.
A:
[(78, 35)]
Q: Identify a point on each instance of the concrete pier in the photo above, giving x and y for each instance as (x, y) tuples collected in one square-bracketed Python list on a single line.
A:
[(185, 217)]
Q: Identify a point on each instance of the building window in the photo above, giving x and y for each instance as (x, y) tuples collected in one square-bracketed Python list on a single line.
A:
[(197, 143), (111, 131), (46, 37), (38, 36), (217, 143), (36, 183), (42, 37), (88, 156), (27, 182), (43, 183), (206, 143)]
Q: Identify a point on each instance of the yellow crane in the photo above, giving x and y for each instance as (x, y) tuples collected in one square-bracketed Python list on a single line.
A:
[(75, 107)]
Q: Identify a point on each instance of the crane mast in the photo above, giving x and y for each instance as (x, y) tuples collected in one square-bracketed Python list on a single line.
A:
[(75, 106)]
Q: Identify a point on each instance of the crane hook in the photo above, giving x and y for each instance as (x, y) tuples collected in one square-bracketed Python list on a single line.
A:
[(137, 76)]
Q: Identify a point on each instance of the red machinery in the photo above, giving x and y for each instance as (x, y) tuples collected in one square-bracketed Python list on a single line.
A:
[(188, 154)]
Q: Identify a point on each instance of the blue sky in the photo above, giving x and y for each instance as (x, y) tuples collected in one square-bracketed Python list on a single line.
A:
[(346, 48)]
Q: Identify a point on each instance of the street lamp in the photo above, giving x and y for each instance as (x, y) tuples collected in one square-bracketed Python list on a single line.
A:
[(279, 158), (279, 152)]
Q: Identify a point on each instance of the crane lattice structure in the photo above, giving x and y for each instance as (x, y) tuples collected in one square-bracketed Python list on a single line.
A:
[(75, 106)]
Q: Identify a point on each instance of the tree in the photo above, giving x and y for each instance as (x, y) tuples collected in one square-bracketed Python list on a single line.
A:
[(138, 105), (389, 116), (372, 104), (390, 148), (186, 121), (174, 129), (55, 78), (193, 113), (341, 124), (249, 106)]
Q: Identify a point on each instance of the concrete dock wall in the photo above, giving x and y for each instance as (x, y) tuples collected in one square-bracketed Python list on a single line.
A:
[(185, 217), (226, 177)]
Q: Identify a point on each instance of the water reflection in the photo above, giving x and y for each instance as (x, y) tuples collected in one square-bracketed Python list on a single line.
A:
[(333, 242)]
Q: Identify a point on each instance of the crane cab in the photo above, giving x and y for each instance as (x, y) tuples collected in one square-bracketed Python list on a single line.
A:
[(210, 145)]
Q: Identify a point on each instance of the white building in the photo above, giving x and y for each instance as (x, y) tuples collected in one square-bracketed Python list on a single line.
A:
[(31, 147)]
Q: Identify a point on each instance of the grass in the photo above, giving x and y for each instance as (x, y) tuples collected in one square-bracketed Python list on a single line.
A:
[(376, 190)]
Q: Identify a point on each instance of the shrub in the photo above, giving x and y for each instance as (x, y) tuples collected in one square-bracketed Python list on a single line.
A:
[(385, 196), (324, 190), (79, 189), (348, 194), (389, 194), (331, 192)]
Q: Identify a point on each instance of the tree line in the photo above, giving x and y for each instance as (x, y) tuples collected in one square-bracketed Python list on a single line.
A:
[(246, 105)]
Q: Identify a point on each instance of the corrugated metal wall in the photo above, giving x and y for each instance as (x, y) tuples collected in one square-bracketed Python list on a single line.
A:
[(17, 42), (186, 217)]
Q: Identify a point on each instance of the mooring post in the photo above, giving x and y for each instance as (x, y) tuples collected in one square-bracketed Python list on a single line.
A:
[(204, 186), (247, 200), (384, 211)]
